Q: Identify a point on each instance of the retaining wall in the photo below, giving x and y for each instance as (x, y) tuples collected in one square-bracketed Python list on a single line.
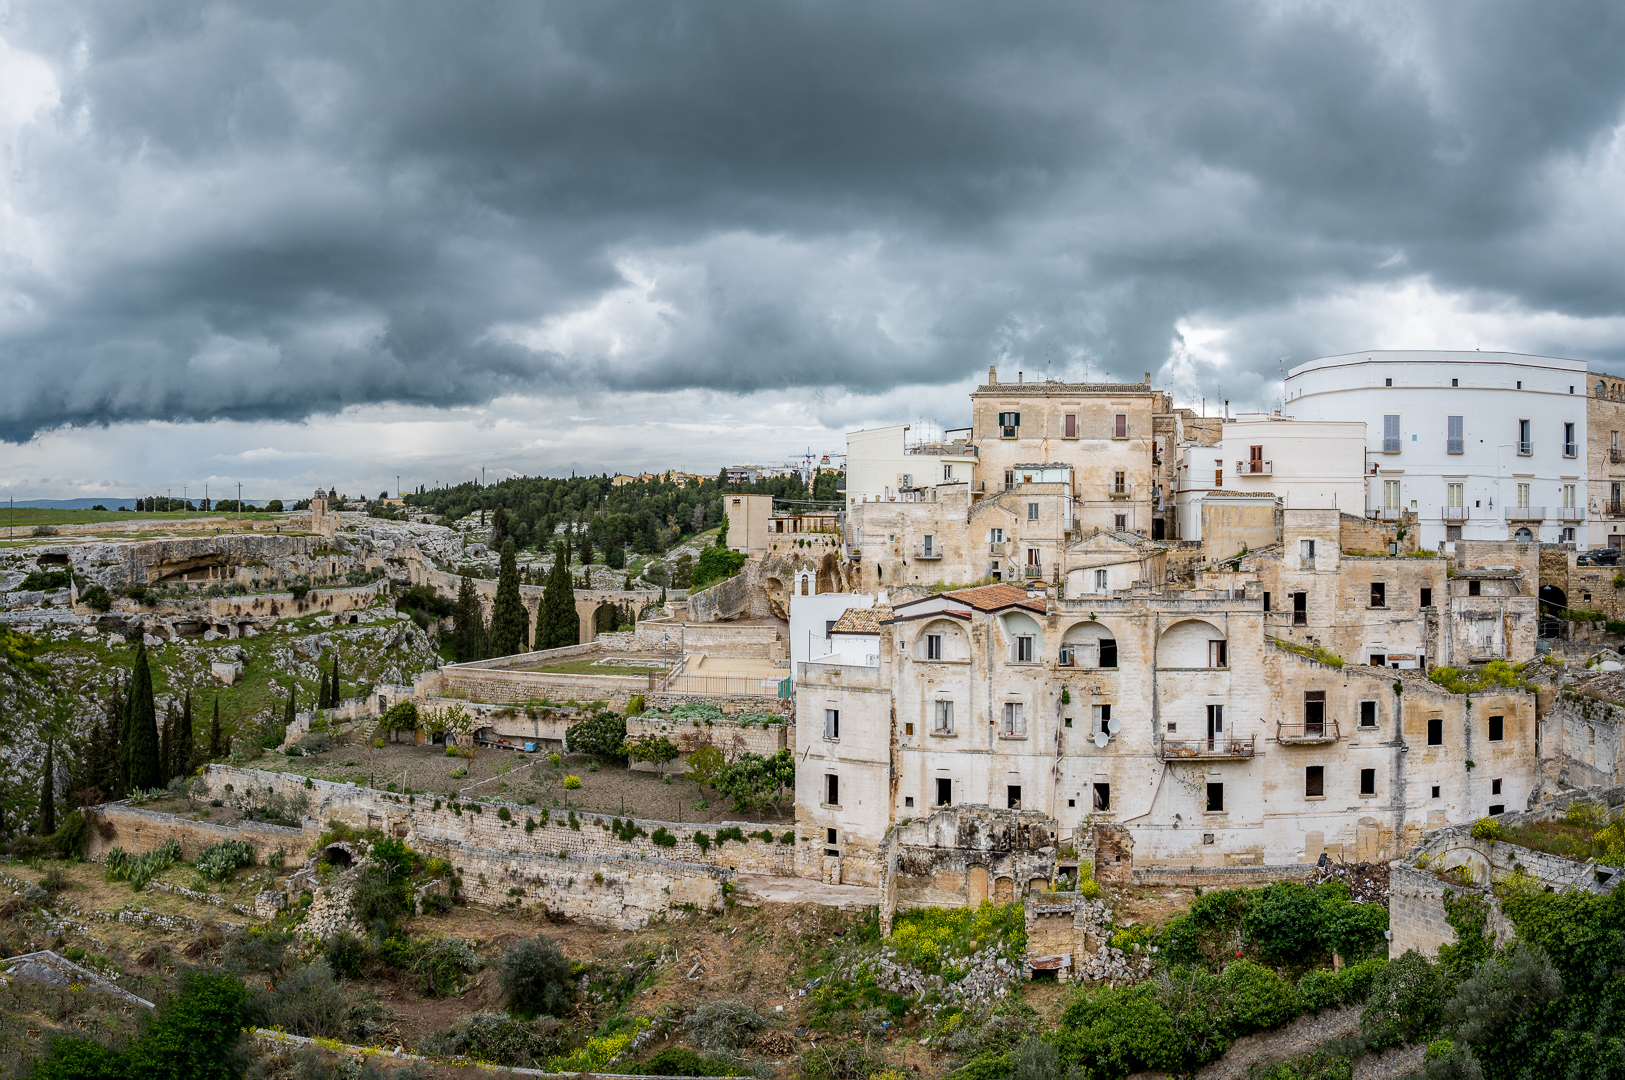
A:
[(1219, 877), (139, 831), (731, 738)]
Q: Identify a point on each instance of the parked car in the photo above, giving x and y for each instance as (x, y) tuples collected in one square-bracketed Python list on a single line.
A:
[(1603, 556)]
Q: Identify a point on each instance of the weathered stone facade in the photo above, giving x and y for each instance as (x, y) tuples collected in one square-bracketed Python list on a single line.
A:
[(962, 856)]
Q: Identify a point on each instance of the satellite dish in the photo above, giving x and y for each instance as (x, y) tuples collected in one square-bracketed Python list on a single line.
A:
[(1114, 725), (1101, 739)]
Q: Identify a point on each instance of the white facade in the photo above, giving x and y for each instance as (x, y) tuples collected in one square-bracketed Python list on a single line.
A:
[(1481, 446), (1307, 464), (812, 617), (880, 464)]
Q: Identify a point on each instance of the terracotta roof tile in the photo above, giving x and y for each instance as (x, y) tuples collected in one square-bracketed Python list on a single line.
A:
[(861, 620), (997, 597)]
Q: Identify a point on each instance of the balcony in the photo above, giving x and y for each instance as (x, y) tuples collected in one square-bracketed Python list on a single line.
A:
[(1571, 449), (1572, 513), (1390, 513), (1615, 455), (927, 551), (1126, 492), (1613, 508), (1453, 513), (1526, 513), (996, 547), (1307, 734), (1032, 571), (1254, 468), (1216, 749)]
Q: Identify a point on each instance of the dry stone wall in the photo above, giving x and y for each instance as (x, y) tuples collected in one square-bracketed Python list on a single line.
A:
[(139, 831)]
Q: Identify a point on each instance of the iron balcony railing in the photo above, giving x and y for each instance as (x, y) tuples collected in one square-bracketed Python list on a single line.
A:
[(1453, 446), (1220, 747), (1453, 513), (1614, 508), (1307, 734), (1571, 449), (1615, 455), (1032, 571), (1391, 513), (1254, 468), (927, 551), (1526, 513), (1572, 513)]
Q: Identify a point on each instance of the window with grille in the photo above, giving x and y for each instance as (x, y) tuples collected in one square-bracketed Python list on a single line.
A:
[(1390, 433), (1015, 718), (1453, 441)]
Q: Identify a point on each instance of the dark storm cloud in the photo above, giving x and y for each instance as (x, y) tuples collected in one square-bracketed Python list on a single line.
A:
[(278, 210)]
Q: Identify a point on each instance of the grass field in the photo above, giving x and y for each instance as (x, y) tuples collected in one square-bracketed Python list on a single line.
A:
[(30, 516)]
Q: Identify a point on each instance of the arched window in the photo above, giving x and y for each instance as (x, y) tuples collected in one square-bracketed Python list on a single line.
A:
[(1193, 643)]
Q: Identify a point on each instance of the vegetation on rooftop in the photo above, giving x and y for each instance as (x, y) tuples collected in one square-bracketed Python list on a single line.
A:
[(1312, 652), (1495, 675)]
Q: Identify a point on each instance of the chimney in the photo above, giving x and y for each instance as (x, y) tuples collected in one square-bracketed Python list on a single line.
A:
[(992, 375), (1148, 378), (1019, 377)]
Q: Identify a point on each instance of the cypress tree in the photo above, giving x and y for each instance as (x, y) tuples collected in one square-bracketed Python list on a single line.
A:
[(499, 528), (337, 695), (290, 715), (217, 746), (166, 745), (47, 793), (509, 623), (586, 548), (184, 748), (143, 768), (468, 623), (557, 624)]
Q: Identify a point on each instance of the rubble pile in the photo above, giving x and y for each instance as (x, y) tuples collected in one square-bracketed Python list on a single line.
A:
[(1367, 882), (989, 977)]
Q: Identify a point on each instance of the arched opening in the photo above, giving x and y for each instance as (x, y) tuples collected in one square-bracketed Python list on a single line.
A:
[(338, 857), (1193, 643), (1025, 637), (1552, 602), (941, 639), (1089, 645), (1524, 536)]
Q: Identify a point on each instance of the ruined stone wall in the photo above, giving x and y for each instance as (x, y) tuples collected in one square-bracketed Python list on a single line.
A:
[(1370, 534), (1416, 915), (731, 738), (1580, 741), (963, 855), (138, 831)]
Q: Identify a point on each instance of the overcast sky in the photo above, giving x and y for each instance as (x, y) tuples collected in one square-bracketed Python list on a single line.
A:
[(295, 243)]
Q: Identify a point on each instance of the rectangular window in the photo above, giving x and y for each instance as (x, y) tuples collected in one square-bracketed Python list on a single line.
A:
[(933, 646), (1452, 494), (1526, 445), (1120, 483), (1218, 474), (832, 725), (1306, 552), (1497, 728), (1314, 781), (1453, 439), (1024, 649), (1570, 447), (1215, 721), (944, 719), (1120, 426), (945, 791), (1009, 424), (1102, 720), (995, 536), (1436, 731), (1390, 494), (1368, 781), (1100, 581), (832, 789), (1300, 609), (831, 836), (1070, 425), (1108, 652), (1495, 787), (1032, 511), (1012, 796), (1497, 809), (1015, 718), (1427, 598), (1368, 714), (1523, 496), (1314, 712), (1390, 433), (1266, 600), (1474, 588), (1379, 594), (1215, 798), (1009, 478), (1568, 496), (1435, 791), (1120, 523), (1103, 796), (1218, 654)]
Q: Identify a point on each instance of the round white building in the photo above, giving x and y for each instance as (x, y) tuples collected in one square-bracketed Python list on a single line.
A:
[(1479, 445)]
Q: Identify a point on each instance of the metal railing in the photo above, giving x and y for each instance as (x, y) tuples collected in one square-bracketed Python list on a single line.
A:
[(1615, 455), (1614, 508), (1526, 449), (1254, 468), (1032, 571), (1571, 449), (1391, 513), (1453, 513), (1124, 492), (1526, 513), (922, 551), (1454, 446), (1572, 513), (1307, 734), (1217, 748)]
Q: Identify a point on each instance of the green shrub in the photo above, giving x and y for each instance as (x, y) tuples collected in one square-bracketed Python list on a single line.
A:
[(502, 1040), (503, 814), (1406, 1002), (603, 734), (662, 837), (439, 967), (536, 979), (346, 954), (1258, 998), (679, 1061), (195, 1035), (97, 598), (140, 869), (217, 862), (1114, 1032), (1284, 922)]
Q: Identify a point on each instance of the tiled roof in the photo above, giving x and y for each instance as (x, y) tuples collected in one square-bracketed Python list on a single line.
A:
[(998, 597), (861, 620)]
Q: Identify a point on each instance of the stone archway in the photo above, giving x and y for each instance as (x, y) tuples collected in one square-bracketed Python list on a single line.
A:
[(1004, 890)]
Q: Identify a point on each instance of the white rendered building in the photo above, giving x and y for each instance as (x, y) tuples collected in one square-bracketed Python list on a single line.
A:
[(881, 464), (1307, 464), (1479, 445)]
